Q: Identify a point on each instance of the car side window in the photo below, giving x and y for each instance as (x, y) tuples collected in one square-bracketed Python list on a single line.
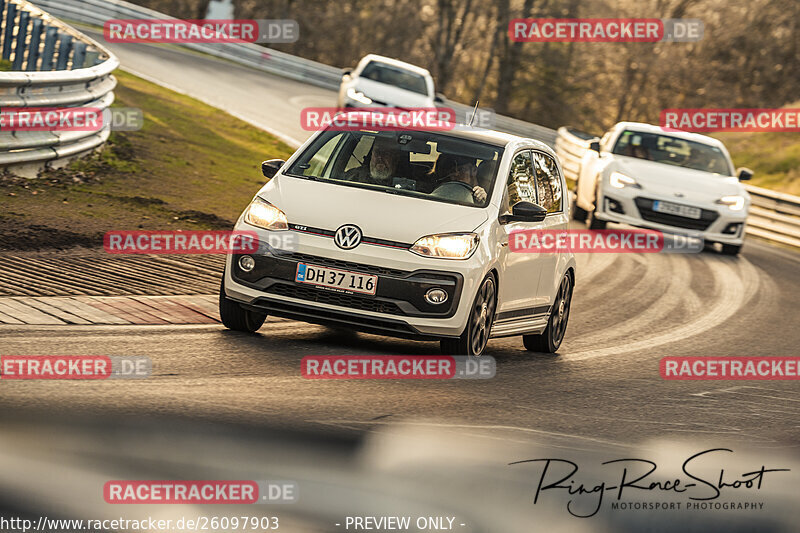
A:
[(521, 183), (548, 182), (316, 167)]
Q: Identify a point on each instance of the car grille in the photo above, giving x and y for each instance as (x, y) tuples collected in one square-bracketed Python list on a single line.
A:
[(323, 296), (347, 265), (645, 206)]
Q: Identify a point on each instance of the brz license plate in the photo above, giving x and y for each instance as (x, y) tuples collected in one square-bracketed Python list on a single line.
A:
[(336, 279), (677, 209)]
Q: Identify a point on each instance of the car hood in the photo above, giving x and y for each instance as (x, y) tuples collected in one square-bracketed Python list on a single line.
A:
[(378, 214), (667, 179), (392, 96)]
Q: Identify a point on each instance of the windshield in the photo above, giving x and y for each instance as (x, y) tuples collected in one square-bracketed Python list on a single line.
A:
[(673, 151), (426, 165), (398, 77)]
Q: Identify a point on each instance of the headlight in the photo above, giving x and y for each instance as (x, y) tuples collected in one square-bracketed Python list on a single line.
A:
[(265, 215), (619, 181), (447, 245), (358, 96), (734, 203)]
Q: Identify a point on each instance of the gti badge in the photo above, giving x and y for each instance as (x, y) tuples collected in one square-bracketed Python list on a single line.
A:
[(347, 237)]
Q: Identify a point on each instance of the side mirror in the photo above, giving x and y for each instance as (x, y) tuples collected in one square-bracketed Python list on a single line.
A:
[(439, 98), (744, 173), (271, 167), (347, 71), (523, 211), (595, 145)]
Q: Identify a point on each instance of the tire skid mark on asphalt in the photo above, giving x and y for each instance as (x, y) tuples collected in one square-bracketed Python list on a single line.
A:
[(671, 291), (734, 391), (634, 420), (360, 424), (614, 278), (594, 265), (648, 283), (733, 286)]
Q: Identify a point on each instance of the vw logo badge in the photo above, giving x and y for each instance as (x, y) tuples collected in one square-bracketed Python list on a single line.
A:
[(347, 237)]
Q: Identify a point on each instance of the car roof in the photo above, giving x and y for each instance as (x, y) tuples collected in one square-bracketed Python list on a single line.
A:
[(396, 63), (680, 134)]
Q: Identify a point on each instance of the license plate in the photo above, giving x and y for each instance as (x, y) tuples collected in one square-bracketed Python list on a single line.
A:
[(336, 279), (677, 209)]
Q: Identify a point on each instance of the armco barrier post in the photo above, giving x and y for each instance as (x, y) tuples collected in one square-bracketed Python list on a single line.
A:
[(33, 46), (22, 36), (49, 48), (11, 17), (64, 47)]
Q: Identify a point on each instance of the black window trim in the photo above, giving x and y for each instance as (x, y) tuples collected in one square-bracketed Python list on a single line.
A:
[(561, 181)]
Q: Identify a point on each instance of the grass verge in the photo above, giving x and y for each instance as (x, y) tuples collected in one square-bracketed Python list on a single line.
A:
[(191, 166), (773, 157)]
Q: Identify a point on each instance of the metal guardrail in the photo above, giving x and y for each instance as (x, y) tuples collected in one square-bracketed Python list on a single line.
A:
[(97, 12), (52, 66), (773, 216)]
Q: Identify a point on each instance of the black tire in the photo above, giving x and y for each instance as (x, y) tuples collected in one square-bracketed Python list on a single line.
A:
[(550, 339), (592, 221), (731, 249), (595, 223), (579, 213), (481, 317), (234, 317)]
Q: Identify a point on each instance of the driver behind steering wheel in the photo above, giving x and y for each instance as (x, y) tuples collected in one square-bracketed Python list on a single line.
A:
[(451, 167)]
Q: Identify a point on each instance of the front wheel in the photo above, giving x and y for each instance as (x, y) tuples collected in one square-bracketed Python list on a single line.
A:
[(481, 317), (550, 339), (234, 317), (594, 222)]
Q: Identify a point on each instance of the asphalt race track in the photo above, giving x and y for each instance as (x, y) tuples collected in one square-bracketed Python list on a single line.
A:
[(603, 389)]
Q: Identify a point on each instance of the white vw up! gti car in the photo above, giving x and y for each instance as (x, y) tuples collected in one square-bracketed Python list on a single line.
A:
[(407, 234), (380, 81), (672, 181)]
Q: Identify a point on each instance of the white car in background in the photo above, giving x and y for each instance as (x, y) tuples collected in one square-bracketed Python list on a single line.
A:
[(380, 81), (667, 180)]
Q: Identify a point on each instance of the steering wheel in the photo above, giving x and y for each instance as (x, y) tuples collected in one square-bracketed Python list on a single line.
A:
[(454, 190)]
